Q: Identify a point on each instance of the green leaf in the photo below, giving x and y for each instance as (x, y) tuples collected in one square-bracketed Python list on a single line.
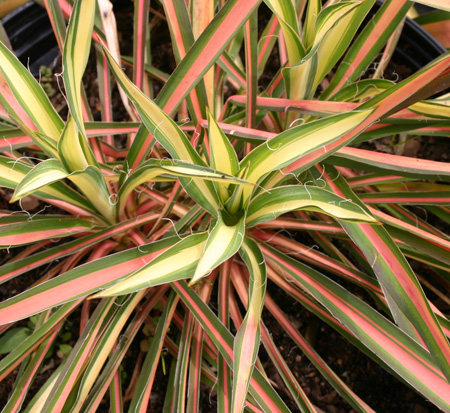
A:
[(12, 338), (294, 143), (41, 228), (30, 95), (166, 131), (42, 174), (81, 281), (247, 340), (223, 242), (73, 149), (76, 54), (176, 263), (155, 169), (269, 205), (223, 155)]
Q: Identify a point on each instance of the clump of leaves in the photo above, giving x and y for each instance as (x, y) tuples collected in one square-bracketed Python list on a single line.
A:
[(148, 232)]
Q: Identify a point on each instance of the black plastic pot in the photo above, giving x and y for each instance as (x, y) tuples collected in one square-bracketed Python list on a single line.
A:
[(31, 36), (416, 47)]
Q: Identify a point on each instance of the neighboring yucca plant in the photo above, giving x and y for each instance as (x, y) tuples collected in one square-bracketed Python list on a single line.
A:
[(191, 208)]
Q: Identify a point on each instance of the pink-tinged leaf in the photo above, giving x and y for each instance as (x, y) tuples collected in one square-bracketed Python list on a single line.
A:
[(141, 396), (81, 281), (11, 360), (368, 44), (182, 35), (29, 262), (402, 165), (319, 260), (315, 358), (260, 389), (401, 353), (41, 228), (246, 342), (24, 382), (205, 51), (398, 281), (82, 351), (141, 9), (297, 392)]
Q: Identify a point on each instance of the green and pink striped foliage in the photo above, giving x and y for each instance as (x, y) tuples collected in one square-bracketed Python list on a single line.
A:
[(160, 241)]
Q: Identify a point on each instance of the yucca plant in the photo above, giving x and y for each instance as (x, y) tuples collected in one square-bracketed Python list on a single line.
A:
[(181, 235)]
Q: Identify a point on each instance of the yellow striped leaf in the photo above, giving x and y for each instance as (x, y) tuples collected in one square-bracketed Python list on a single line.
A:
[(224, 241), (30, 95), (76, 54), (174, 264), (277, 201)]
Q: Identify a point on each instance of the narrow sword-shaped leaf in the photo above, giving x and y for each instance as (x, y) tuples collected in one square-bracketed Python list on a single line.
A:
[(269, 205), (141, 396), (23, 383), (260, 389), (398, 281), (400, 165), (41, 228), (74, 363), (74, 151), (20, 266), (30, 95), (223, 156), (247, 340), (408, 197), (76, 54), (205, 51), (176, 263), (404, 355), (373, 37), (287, 17), (297, 142), (223, 242), (108, 375), (154, 168), (81, 281), (223, 371), (19, 353), (104, 346), (169, 135)]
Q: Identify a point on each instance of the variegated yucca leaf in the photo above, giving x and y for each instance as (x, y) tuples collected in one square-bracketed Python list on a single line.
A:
[(334, 29), (223, 242), (27, 230), (90, 181), (76, 54), (223, 156), (246, 342), (153, 170), (170, 136), (269, 205), (82, 281), (176, 263), (289, 146), (403, 354), (33, 100), (258, 132), (12, 173)]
